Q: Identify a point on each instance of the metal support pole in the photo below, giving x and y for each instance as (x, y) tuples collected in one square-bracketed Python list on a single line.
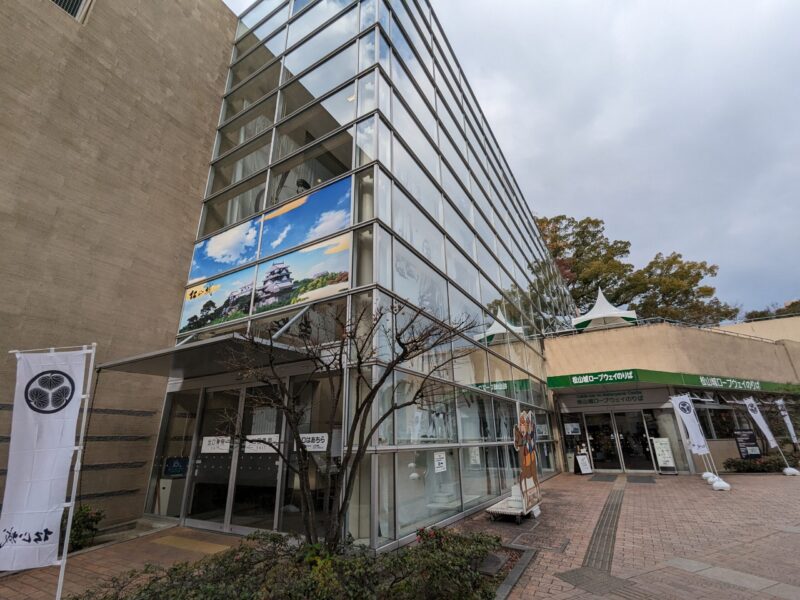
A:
[(77, 470)]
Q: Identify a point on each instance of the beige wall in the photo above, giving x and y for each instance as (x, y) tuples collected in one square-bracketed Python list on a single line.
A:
[(107, 129), (772, 329), (671, 348)]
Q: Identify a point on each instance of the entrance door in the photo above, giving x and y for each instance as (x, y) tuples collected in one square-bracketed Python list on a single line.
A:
[(212, 465), (602, 441), (633, 441)]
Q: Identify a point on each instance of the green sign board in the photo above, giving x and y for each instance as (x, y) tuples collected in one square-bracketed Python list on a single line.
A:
[(665, 378)]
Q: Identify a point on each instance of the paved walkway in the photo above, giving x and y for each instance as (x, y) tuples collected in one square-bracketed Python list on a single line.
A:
[(674, 538), (165, 547)]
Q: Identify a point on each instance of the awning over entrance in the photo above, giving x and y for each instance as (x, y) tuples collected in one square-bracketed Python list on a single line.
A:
[(195, 359)]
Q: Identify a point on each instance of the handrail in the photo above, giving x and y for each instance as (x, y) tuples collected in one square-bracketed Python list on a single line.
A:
[(653, 321)]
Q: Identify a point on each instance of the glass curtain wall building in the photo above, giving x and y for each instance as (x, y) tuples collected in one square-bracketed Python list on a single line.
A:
[(353, 167)]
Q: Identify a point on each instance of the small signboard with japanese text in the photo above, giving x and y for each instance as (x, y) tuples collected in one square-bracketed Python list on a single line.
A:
[(664, 458), (746, 443), (215, 444), (439, 462), (583, 464)]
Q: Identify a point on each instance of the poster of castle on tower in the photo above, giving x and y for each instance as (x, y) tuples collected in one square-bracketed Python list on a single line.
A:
[(311, 273), (218, 300)]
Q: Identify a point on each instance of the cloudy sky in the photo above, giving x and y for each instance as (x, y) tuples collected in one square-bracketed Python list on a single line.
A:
[(678, 123)]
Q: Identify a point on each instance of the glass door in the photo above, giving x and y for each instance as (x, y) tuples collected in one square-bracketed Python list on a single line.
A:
[(634, 444), (212, 465), (602, 441), (258, 464)]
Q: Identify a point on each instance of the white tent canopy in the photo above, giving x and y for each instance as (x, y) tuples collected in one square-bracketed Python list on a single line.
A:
[(603, 313)]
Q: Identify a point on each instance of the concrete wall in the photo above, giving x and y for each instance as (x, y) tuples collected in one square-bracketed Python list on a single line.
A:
[(107, 129), (773, 329), (672, 348)]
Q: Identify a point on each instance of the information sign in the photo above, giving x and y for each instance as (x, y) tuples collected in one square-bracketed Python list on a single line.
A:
[(746, 443)]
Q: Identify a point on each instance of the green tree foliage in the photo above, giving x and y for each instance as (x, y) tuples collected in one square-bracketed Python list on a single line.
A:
[(587, 259), (790, 308), (668, 286)]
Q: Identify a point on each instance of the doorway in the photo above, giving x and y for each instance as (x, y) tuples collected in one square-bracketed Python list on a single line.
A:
[(619, 441), (234, 474)]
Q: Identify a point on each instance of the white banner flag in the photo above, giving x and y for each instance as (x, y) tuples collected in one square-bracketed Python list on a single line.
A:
[(684, 407), (758, 418), (786, 419), (47, 400)]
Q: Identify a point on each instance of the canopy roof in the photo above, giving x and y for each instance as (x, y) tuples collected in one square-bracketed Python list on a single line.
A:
[(603, 313)]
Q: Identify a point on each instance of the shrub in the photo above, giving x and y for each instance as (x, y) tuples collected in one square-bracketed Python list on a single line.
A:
[(84, 526), (772, 463), (268, 566)]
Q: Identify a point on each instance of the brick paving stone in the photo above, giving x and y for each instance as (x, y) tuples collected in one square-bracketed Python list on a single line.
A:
[(665, 531), (86, 569)]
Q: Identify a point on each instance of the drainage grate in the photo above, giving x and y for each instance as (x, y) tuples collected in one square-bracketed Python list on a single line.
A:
[(641, 479), (603, 477), (600, 552)]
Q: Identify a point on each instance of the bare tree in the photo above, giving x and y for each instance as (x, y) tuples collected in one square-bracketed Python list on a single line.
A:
[(328, 348)]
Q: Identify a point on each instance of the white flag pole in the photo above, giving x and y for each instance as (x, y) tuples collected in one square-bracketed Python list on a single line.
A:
[(85, 400)]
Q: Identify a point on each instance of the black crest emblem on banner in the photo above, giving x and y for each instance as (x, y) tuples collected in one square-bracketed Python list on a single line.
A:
[(753, 409), (685, 407), (49, 391)]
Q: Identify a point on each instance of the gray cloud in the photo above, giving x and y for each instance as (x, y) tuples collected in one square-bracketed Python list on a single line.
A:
[(677, 123)]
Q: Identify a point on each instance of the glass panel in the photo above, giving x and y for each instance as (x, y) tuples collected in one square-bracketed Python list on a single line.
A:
[(368, 13), (213, 464), (321, 44), (431, 420), (256, 13), (602, 442), (633, 441), (417, 282), (364, 266), (469, 364), (428, 488), (313, 18), (505, 418), (475, 417), (365, 195), (480, 476), (723, 421), (217, 300), (259, 34), (242, 163), (366, 141), (171, 462), (413, 99), (366, 51), (417, 229), (233, 206), (315, 394), (312, 167), (385, 498), (462, 271), (232, 248), (414, 138), (459, 231), (246, 127), (358, 514), (661, 424), (310, 217), (252, 91), (259, 57), (384, 253), (367, 94), (319, 81), (415, 180), (309, 274), (315, 122), (254, 494), (508, 465)]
